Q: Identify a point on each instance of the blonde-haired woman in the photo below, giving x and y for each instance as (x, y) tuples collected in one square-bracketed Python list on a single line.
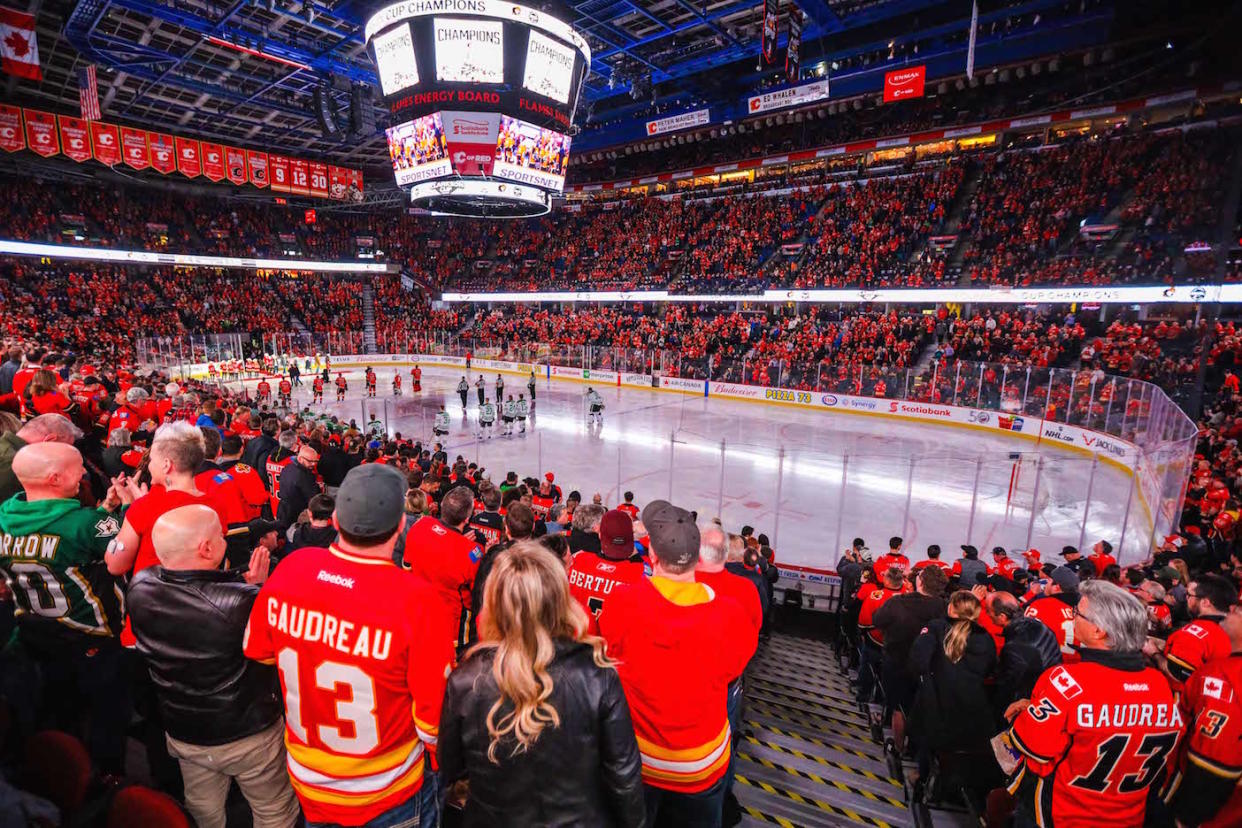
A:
[(952, 657), (534, 718)]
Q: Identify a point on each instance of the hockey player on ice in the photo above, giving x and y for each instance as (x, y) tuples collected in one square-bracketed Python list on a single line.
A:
[(487, 418), (595, 408)]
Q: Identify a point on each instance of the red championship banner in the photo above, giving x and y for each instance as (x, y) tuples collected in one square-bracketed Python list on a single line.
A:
[(134, 148), (319, 179), (235, 165), (75, 138), (338, 181), (279, 173), (41, 134), (189, 159), (901, 84), (12, 138), (163, 152), (213, 161), (106, 142), (257, 163), (299, 176)]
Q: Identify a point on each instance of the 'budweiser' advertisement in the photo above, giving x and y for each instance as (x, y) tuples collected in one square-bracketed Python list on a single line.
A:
[(674, 123), (793, 96), (901, 84)]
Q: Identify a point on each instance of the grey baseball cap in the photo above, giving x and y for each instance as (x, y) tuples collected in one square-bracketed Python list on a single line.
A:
[(371, 500), (1065, 578), (674, 536)]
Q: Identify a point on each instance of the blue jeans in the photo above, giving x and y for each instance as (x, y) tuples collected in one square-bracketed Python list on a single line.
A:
[(734, 708), (422, 810), (673, 809)]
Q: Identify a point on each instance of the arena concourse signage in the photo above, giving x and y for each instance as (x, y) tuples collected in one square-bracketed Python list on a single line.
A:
[(793, 96), (901, 84), (47, 134), (675, 123)]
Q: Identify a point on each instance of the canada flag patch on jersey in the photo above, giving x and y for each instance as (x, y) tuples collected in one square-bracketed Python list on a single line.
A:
[(1065, 684), (1197, 630), (1215, 688)]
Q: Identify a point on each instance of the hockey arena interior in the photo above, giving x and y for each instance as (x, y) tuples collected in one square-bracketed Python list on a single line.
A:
[(620, 413)]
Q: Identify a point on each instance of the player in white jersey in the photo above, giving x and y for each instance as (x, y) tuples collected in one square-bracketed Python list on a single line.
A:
[(487, 418), (595, 407), (441, 425), (510, 414), (521, 414)]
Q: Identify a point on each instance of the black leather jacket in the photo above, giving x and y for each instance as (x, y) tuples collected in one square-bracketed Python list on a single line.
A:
[(1030, 648), (189, 625), (586, 772)]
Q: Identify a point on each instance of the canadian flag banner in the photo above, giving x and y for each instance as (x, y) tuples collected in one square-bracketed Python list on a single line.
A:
[(257, 162), (75, 138), (235, 165), (134, 148), (189, 162), (19, 47), (163, 153), (213, 161), (106, 142), (12, 138)]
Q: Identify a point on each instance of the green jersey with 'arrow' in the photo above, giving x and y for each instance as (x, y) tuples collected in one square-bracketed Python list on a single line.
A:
[(52, 557)]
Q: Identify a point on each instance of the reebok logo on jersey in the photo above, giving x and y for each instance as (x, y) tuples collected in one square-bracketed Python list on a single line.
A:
[(1065, 684), (1134, 688), (332, 578)]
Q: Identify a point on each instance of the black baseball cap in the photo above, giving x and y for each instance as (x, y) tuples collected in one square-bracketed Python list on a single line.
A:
[(673, 533), (371, 500)]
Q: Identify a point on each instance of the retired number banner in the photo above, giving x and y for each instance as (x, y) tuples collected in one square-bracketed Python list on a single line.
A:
[(771, 20), (793, 50)]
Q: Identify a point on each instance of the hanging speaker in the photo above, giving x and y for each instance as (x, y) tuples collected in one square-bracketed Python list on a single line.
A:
[(325, 112), (361, 112)]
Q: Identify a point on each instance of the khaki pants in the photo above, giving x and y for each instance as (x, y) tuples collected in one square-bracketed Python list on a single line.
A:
[(257, 763)]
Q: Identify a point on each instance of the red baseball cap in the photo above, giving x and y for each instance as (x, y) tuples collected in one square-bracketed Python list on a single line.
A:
[(550, 477), (616, 535), (1032, 555)]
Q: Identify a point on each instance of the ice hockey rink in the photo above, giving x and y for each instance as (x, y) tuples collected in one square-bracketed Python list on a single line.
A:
[(778, 469)]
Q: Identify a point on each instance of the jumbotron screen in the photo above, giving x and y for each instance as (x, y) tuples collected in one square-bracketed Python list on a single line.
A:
[(478, 56)]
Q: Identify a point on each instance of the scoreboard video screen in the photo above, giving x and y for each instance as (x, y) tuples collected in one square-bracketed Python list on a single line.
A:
[(418, 150), (477, 55)]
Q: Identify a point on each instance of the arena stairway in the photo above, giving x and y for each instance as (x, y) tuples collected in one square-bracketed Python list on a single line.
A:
[(806, 757)]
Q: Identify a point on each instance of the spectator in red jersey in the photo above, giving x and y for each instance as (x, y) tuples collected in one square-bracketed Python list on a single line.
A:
[(892, 558), (1003, 565), (1081, 759), (872, 597), (43, 396), (594, 575), (442, 553), (1102, 557), (1202, 640), (678, 645), (1204, 790), (564, 752), (628, 506), (1054, 608), (390, 644), (933, 559)]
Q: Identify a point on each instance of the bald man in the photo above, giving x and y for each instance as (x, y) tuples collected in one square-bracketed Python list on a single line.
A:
[(298, 484), (68, 614), (46, 428), (221, 714)]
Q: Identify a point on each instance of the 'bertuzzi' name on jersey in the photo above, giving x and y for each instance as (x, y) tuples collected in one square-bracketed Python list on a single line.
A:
[(594, 583), (314, 626)]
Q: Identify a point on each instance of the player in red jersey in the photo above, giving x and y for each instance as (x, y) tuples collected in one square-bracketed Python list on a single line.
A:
[(441, 553), (891, 558), (933, 559), (342, 385), (416, 379), (264, 391), (286, 391), (1208, 598), (362, 663), (1205, 789), (396, 384), (593, 576), (370, 381), (678, 644), (317, 389), (1095, 735)]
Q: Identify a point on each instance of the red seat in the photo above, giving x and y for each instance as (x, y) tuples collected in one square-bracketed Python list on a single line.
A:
[(57, 768), (140, 807)]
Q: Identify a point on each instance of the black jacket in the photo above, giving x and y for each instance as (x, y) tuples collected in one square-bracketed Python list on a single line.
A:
[(189, 626), (951, 709), (902, 618), (765, 589), (334, 464), (297, 486), (306, 535), (585, 772), (579, 541), (256, 452), (1030, 648)]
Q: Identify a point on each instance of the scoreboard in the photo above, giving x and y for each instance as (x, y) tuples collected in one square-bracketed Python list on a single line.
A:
[(477, 89)]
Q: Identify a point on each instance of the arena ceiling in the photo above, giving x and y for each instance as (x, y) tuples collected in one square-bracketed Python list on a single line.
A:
[(245, 72)]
